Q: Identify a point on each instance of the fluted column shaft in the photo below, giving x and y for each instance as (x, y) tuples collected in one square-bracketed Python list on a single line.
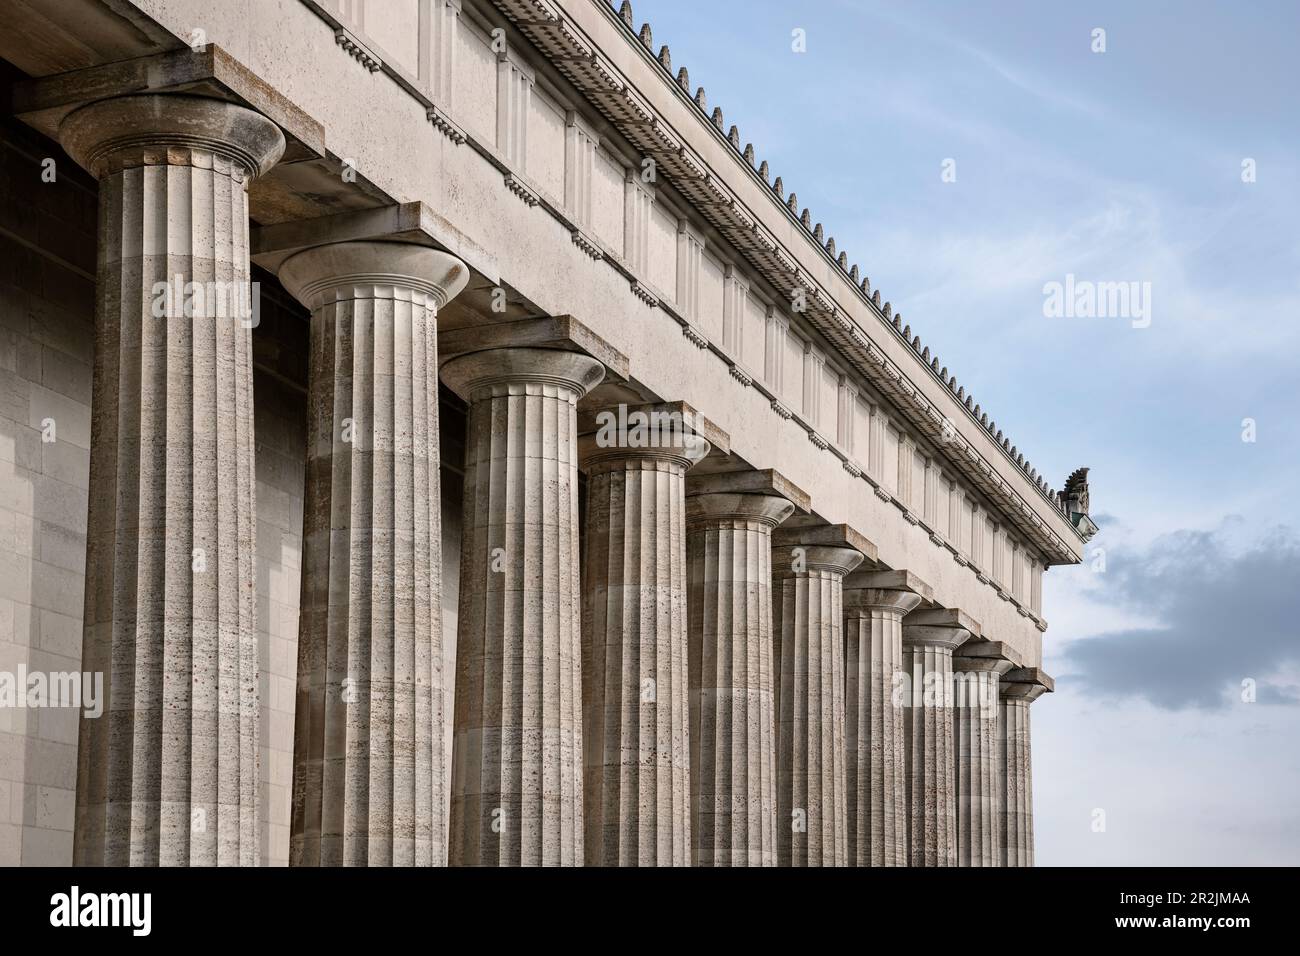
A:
[(729, 612), (1015, 776), (634, 680), (874, 731), (368, 724), (517, 767), (928, 744), (977, 781), (168, 775), (808, 636)]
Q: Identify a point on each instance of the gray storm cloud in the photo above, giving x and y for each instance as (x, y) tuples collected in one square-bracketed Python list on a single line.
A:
[(1229, 614)]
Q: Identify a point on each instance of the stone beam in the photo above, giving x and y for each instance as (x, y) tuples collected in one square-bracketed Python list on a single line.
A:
[(211, 72), (409, 222)]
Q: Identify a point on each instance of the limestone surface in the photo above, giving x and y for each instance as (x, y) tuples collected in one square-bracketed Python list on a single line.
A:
[(732, 679), (928, 743), (517, 762), (635, 693), (874, 731), (368, 737), (807, 628), (976, 778), (169, 774)]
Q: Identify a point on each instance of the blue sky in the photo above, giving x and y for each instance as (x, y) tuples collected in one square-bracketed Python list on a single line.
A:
[(1124, 165)]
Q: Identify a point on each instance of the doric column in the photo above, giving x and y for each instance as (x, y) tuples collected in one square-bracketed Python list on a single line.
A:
[(875, 603), (168, 775), (729, 610), (1018, 689), (929, 638), (634, 677), (517, 768), (808, 652), (368, 724), (977, 667)]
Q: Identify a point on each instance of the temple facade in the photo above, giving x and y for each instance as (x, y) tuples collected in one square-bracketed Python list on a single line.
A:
[(430, 435)]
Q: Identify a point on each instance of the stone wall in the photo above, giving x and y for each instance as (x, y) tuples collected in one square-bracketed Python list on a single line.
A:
[(47, 266)]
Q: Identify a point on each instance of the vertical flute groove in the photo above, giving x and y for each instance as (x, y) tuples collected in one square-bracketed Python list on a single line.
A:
[(807, 627), (368, 786), (635, 698), (168, 774), (732, 680), (517, 794), (875, 739)]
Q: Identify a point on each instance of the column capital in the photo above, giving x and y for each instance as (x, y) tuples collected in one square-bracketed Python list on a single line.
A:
[(981, 655), (763, 481), (474, 371), (722, 508), (897, 591), (618, 435), (683, 450), (681, 416), (806, 531), (157, 129), (860, 601), (939, 627), (341, 271), (1026, 683), (980, 665), (813, 558)]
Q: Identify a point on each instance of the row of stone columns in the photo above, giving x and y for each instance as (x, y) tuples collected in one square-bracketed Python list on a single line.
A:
[(702, 690)]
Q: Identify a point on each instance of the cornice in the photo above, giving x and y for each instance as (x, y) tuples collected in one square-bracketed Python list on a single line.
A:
[(562, 41)]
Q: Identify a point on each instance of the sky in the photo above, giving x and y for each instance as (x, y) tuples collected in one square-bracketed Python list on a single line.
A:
[(966, 156)]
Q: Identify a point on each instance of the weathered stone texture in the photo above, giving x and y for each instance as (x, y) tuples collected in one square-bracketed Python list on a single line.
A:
[(928, 743), (517, 772), (368, 748), (1018, 690), (634, 677), (808, 636), (976, 778), (875, 713), (169, 774), (732, 677)]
